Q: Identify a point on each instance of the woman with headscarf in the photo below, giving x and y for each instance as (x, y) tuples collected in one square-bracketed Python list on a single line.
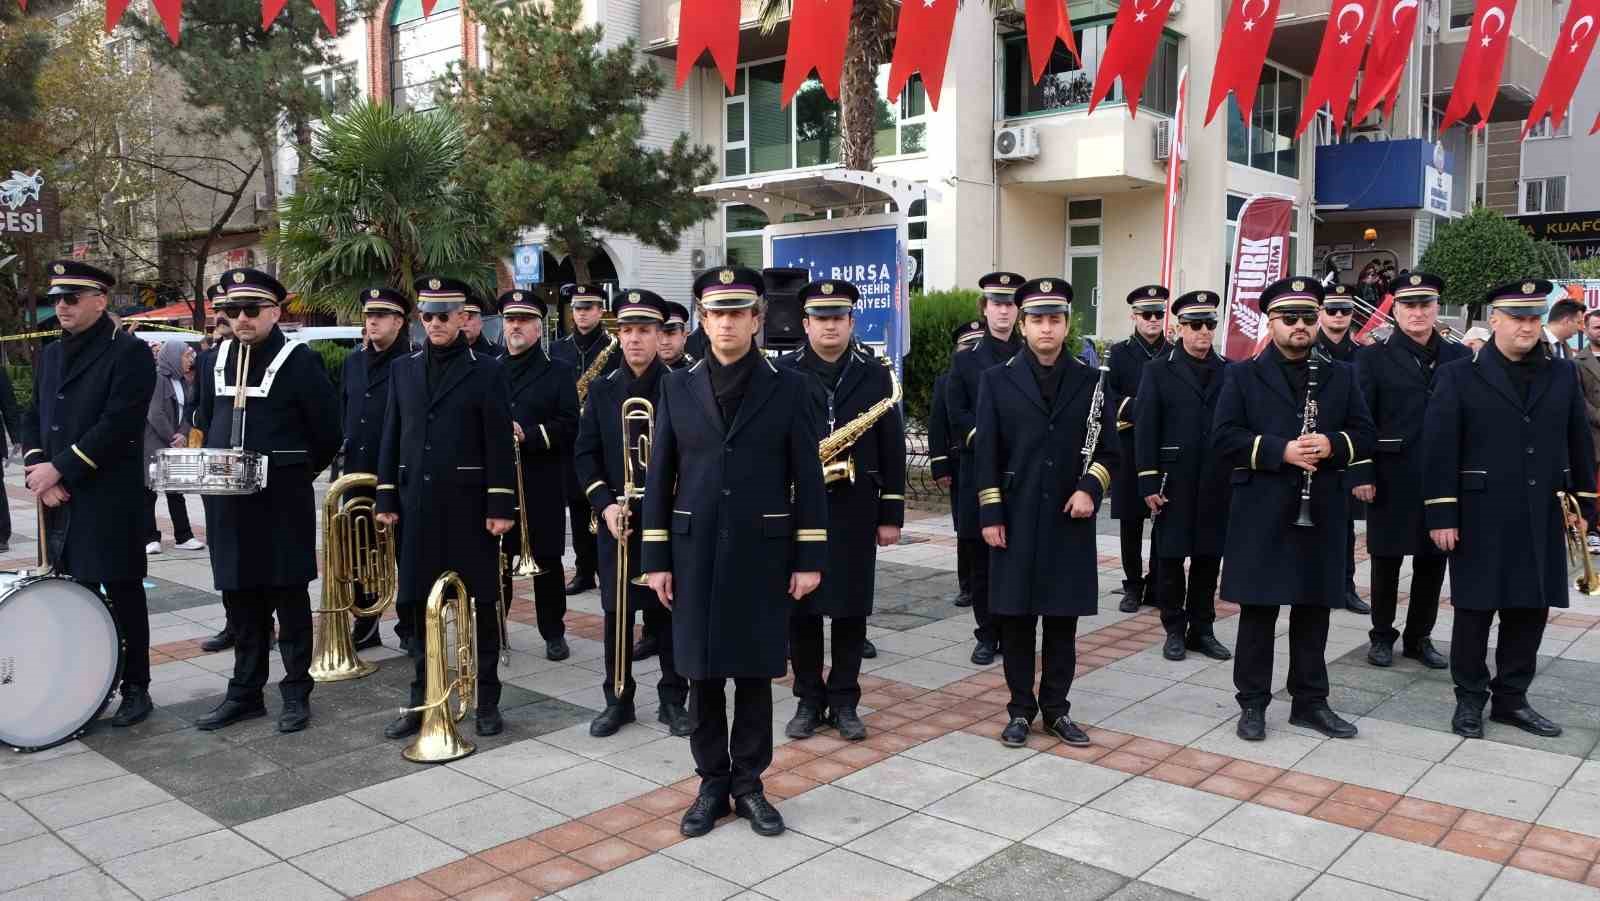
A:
[(166, 425)]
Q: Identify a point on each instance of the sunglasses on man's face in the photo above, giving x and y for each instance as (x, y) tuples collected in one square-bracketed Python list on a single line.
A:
[(1202, 324), (429, 317), (1298, 318), (248, 311), (1339, 312), (1151, 317)]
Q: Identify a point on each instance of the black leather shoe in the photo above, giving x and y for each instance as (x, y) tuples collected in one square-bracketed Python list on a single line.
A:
[(868, 649), (805, 722), (295, 717), (490, 722), (703, 814), (963, 599), (1354, 604), (1016, 733), (676, 719), (1528, 720), (580, 583), (403, 726), (1381, 653), (984, 653), (1173, 648), (557, 650), (1208, 645), (646, 648), (850, 726), (614, 717), (1252, 724), (764, 818), (1066, 730), (136, 706), (227, 713), (407, 643), (1321, 718), (1427, 653), (1468, 721), (219, 642), (1130, 599)]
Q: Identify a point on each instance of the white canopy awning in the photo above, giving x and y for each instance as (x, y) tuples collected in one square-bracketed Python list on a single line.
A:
[(809, 192)]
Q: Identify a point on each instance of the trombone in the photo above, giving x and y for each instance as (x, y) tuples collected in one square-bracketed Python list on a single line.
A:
[(1446, 332), (636, 411), (524, 566)]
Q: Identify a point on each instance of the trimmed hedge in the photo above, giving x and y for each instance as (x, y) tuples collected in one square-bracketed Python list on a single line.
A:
[(933, 316)]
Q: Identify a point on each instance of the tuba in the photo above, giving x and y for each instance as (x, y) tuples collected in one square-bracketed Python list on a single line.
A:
[(636, 411), (833, 449), (360, 575), (1578, 560), (437, 739)]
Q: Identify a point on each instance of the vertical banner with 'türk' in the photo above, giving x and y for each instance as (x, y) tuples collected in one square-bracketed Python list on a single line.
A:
[(1260, 257)]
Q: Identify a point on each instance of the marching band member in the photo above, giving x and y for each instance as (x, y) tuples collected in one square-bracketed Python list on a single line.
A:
[(386, 313), (735, 520), (544, 416), (1183, 478), (84, 458), (675, 336), (1127, 360), (944, 452), (473, 327), (602, 447), (1336, 341), (864, 512), (1280, 450), (445, 475), (263, 545), (998, 346), (221, 331), (1505, 431), (1397, 378), (1037, 420), (588, 344)]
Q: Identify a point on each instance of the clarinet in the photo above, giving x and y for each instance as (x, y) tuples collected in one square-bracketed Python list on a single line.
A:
[(1097, 404), (1308, 425)]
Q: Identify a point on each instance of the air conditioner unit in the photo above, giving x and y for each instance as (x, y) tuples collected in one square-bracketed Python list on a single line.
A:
[(1162, 151), (262, 204), (1366, 134), (1016, 142)]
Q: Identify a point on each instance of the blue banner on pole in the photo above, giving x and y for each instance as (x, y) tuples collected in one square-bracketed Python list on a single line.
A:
[(868, 257), (527, 264)]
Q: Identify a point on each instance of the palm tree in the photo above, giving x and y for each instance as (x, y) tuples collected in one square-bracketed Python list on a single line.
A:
[(380, 203)]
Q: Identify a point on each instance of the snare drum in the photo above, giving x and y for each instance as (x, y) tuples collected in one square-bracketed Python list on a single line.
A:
[(207, 470), (60, 660)]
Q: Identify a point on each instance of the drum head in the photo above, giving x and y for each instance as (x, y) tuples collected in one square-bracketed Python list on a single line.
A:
[(60, 658)]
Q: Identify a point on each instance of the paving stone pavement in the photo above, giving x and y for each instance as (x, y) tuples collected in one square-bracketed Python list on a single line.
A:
[(1166, 804)]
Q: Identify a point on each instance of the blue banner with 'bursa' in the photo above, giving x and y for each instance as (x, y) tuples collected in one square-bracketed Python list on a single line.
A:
[(868, 258)]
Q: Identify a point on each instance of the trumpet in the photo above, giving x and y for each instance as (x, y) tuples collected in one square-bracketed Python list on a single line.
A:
[(636, 411), (438, 740), (360, 563), (1578, 559)]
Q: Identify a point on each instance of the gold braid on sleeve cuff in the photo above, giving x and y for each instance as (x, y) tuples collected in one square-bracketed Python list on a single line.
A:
[(1438, 500), (1586, 494), (32, 452), (1101, 475), (84, 457), (901, 497), (970, 435), (502, 491), (811, 535), (988, 496), (1255, 448), (1349, 444), (385, 487), (1149, 472), (655, 535)]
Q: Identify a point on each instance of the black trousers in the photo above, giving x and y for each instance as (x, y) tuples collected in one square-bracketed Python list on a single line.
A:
[(964, 567), (731, 764), (177, 510), (250, 613), (1060, 653), (549, 597), (843, 688), (1131, 532), (1188, 609), (1515, 656), (488, 645), (1252, 656), (1427, 579), (578, 512), (673, 688), (978, 582), (5, 519), (129, 606)]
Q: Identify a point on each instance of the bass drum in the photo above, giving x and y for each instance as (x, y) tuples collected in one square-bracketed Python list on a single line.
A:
[(60, 660)]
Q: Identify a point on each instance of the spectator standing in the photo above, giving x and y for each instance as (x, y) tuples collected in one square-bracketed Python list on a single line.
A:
[(166, 425)]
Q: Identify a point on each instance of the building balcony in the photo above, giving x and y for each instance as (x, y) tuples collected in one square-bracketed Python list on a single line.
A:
[(1081, 154), (658, 29)]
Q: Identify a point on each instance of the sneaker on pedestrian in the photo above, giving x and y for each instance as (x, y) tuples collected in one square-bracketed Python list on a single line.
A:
[(193, 544), (1594, 544), (153, 547)]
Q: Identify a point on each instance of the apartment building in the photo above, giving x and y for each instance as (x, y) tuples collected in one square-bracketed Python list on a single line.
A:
[(1558, 193)]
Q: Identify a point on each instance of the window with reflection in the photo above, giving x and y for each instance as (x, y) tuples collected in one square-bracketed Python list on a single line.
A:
[(1268, 142), (1067, 84), (421, 50)]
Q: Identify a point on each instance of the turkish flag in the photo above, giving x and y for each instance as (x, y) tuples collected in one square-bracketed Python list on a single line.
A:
[(1349, 22), (818, 32), (1391, 47), (1048, 21), (1566, 64), (923, 45), (1478, 78), (1243, 51), (708, 25), (1134, 34)]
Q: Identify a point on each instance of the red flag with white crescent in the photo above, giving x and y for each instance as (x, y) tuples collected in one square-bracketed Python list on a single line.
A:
[(1391, 47), (923, 45), (818, 31), (271, 8), (1048, 21), (1567, 62), (1478, 78), (707, 25), (1343, 40), (1241, 55), (1134, 34)]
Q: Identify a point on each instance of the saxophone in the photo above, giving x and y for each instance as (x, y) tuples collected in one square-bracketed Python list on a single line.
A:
[(594, 369), (834, 447)]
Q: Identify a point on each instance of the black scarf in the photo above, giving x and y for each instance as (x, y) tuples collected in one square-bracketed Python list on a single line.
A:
[(729, 383), (377, 359), (587, 341), (1522, 372), (517, 366), (1007, 348), (644, 385), (1426, 355), (73, 344), (1150, 350), (1203, 368), (440, 358), (829, 373), (1343, 350), (1047, 377), (1297, 372)]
